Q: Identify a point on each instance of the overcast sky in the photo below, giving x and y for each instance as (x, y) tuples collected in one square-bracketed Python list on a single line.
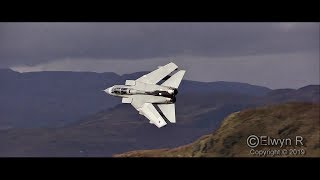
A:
[(276, 55)]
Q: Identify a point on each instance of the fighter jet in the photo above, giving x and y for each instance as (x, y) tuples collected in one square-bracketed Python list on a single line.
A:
[(146, 96)]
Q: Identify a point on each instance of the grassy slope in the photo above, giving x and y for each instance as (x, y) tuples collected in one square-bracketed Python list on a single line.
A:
[(277, 121)]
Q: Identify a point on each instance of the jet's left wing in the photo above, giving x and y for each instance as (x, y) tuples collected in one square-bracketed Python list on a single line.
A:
[(147, 109), (169, 111), (150, 112), (157, 75)]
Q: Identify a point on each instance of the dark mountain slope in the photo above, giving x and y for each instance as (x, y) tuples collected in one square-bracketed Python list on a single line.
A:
[(121, 128), (230, 140)]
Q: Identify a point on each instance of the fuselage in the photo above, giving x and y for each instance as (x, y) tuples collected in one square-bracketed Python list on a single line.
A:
[(162, 94)]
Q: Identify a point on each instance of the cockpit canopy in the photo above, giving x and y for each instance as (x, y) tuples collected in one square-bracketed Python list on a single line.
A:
[(118, 90)]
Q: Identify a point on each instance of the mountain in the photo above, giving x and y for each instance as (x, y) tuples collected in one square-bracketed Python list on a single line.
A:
[(309, 93), (55, 99), (281, 121), (226, 87), (51, 98), (120, 129)]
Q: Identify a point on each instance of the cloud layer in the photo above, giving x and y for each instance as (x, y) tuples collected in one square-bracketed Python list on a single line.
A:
[(34, 43), (286, 70), (271, 54)]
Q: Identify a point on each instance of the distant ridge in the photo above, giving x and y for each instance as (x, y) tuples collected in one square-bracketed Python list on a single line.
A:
[(56, 98)]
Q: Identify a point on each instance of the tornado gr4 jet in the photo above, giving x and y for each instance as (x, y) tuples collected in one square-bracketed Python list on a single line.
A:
[(144, 94)]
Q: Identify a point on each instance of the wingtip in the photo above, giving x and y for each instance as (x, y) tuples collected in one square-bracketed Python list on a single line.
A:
[(173, 64), (183, 72)]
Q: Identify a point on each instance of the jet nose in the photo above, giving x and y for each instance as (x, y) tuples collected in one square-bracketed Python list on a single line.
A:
[(108, 90)]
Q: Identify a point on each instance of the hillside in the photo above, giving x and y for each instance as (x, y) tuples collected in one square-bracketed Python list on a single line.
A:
[(277, 121), (121, 128)]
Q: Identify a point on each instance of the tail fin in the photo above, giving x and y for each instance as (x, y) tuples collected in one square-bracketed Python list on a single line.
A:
[(174, 81)]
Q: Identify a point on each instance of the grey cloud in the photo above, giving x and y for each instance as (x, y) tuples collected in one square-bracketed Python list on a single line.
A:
[(285, 70), (36, 43)]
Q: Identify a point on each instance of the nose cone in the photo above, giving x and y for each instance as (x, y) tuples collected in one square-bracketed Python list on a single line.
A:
[(108, 90)]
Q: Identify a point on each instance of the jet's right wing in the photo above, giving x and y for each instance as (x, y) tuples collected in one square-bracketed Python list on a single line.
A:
[(174, 81), (157, 75)]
